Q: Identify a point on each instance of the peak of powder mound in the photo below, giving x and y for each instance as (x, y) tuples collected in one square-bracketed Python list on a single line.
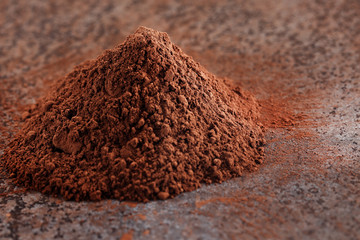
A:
[(143, 121), (145, 48)]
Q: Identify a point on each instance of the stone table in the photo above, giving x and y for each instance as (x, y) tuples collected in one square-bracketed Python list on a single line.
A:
[(303, 55)]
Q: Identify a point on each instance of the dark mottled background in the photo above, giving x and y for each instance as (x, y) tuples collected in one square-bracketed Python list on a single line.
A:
[(302, 53)]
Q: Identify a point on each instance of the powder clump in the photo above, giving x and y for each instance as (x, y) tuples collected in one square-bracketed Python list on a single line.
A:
[(143, 121)]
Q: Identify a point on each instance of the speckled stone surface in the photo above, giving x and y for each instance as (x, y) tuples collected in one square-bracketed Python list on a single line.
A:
[(304, 52)]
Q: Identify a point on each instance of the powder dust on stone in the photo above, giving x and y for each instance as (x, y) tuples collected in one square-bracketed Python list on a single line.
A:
[(143, 121)]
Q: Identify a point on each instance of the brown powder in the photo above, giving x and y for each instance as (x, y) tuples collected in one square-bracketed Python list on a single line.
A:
[(143, 121)]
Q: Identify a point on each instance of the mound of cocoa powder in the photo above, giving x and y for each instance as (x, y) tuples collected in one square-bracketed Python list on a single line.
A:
[(143, 121)]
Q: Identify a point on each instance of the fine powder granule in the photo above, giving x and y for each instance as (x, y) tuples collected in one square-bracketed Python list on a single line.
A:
[(143, 121)]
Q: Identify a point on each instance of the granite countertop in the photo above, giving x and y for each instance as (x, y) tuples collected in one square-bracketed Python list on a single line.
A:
[(303, 53)]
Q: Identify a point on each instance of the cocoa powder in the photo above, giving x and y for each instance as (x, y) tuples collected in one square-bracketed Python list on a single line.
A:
[(143, 121)]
